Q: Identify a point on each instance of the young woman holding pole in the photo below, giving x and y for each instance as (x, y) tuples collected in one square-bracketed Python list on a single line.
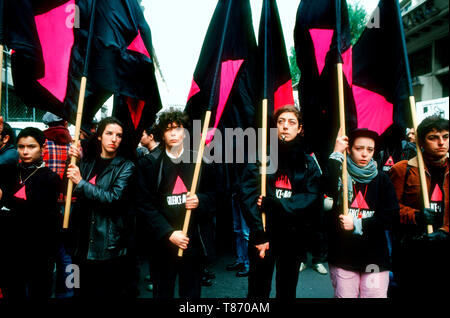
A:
[(358, 254), (293, 192), (103, 180)]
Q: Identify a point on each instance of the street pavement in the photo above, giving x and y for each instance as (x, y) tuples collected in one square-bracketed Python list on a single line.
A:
[(226, 285)]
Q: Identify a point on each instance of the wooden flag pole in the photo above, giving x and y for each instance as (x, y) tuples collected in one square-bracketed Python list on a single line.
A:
[(340, 79), (423, 179), (198, 164), (264, 158), (80, 112), (73, 160), (1, 76)]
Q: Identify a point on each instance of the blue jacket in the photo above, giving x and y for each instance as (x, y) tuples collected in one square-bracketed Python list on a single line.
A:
[(9, 155)]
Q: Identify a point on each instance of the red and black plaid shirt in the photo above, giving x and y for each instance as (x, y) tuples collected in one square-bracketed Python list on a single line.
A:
[(55, 157)]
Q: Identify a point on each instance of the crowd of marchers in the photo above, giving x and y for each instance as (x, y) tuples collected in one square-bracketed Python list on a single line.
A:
[(382, 238)]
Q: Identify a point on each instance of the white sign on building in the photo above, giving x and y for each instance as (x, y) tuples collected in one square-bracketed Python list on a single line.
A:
[(432, 107)]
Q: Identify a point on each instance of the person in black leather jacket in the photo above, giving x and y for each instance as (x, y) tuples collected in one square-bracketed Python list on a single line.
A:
[(103, 183)]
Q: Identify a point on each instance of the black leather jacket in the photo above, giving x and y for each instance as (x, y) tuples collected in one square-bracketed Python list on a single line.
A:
[(101, 213)]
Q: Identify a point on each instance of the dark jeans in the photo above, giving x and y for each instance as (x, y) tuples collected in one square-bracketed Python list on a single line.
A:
[(103, 279), (62, 261), (261, 272), (315, 237), (33, 281), (189, 270)]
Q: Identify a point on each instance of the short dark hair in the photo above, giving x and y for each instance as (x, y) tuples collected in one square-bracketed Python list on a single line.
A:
[(168, 117), (429, 124), (151, 131), (36, 133), (8, 131), (288, 109)]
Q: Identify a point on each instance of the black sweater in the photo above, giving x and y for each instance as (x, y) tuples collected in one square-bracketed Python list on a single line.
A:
[(292, 193), (376, 205), (33, 223), (161, 201)]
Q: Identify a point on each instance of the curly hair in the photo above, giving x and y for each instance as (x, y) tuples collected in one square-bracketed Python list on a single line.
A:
[(429, 124), (288, 109), (168, 117)]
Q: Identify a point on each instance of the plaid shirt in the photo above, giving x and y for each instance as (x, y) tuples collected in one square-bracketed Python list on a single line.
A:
[(55, 157)]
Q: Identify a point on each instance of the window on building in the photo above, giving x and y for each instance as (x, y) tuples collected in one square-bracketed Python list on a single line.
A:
[(443, 81), (420, 62), (441, 53)]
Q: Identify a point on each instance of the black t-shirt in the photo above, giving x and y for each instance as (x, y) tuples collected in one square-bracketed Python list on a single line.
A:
[(99, 166), (437, 194), (174, 183)]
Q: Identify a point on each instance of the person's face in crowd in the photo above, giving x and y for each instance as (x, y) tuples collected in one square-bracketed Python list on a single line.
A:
[(3, 140), (288, 126), (362, 151), (110, 140), (145, 139), (29, 149), (174, 135), (436, 143), (412, 136)]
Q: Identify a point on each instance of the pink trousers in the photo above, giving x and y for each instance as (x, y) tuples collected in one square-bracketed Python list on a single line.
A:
[(349, 284)]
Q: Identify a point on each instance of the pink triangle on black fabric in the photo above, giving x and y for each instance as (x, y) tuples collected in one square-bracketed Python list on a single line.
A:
[(437, 194), (179, 187), (21, 194), (93, 180), (359, 202)]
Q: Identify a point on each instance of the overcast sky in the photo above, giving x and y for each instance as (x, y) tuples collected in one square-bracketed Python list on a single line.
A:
[(179, 27)]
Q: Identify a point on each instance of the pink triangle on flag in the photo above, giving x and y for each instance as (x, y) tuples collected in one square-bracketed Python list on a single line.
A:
[(437, 194), (359, 202), (283, 95), (179, 187), (194, 89), (322, 41), (229, 71), (135, 107), (372, 110), (21, 194), (93, 180), (138, 45), (56, 40)]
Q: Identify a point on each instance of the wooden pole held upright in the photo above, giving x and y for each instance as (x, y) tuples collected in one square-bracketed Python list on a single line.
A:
[(340, 79), (264, 158), (73, 159), (423, 179), (198, 164)]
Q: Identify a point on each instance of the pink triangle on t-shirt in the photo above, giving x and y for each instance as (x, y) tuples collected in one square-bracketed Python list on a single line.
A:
[(283, 182), (179, 187), (389, 162), (93, 180), (359, 202), (21, 194), (437, 194)]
